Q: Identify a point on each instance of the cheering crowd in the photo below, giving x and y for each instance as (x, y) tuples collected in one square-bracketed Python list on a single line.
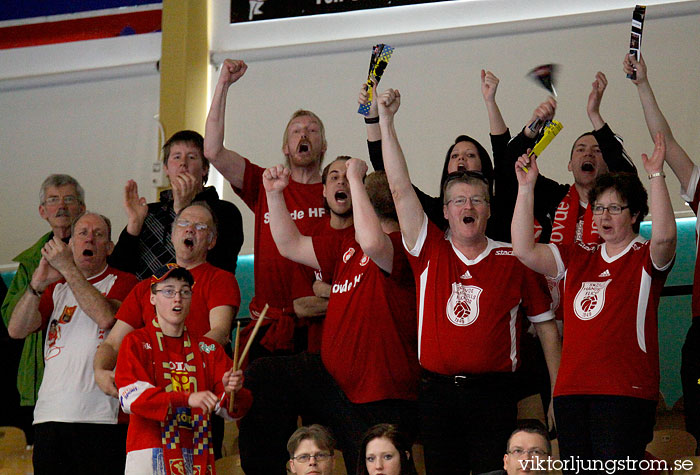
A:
[(389, 316)]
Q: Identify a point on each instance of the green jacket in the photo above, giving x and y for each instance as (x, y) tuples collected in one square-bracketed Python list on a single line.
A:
[(31, 364)]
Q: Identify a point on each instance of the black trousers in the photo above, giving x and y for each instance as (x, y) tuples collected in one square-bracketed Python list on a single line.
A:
[(285, 387), (690, 378), (465, 421), (78, 448), (593, 427)]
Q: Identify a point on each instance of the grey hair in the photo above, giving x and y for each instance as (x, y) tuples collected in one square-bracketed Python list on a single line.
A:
[(102, 216), (57, 180)]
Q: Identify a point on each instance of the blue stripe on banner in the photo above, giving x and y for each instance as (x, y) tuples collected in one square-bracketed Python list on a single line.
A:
[(20, 9)]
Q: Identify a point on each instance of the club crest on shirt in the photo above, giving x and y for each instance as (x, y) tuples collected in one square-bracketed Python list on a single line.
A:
[(590, 299), (348, 254), (463, 304), (364, 260)]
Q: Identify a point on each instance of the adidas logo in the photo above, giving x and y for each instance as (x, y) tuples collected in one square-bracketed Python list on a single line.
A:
[(605, 273), (466, 275)]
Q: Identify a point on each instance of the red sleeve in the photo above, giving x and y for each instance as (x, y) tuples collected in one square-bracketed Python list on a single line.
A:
[(138, 393), (131, 310), (252, 184), (535, 293), (46, 304), (122, 286), (223, 290), (328, 250), (400, 268)]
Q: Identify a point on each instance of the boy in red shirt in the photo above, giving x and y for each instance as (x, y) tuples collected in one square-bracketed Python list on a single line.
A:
[(170, 382)]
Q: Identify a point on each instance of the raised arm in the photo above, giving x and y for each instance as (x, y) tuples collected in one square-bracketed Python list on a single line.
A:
[(408, 207), (290, 242), (368, 229), (489, 85), (230, 164), (676, 157), (536, 256), (594, 99), (663, 221)]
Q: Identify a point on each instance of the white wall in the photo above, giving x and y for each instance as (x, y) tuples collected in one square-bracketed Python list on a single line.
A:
[(439, 82), (101, 131)]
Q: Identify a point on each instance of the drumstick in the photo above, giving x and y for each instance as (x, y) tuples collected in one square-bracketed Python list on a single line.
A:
[(235, 363), (252, 336)]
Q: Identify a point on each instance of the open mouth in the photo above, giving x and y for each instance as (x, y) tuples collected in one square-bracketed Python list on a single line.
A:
[(177, 308), (61, 213), (88, 253), (468, 220), (588, 167), (340, 196), (461, 167), (304, 147), (189, 242)]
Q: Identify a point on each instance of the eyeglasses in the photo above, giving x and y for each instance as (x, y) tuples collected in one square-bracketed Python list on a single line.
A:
[(530, 452), (54, 200), (306, 458), (183, 223), (612, 209), (171, 293), (474, 200)]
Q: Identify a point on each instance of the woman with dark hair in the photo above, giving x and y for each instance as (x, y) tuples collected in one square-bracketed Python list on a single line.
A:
[(385, 450), (465, 154), (608, 381)]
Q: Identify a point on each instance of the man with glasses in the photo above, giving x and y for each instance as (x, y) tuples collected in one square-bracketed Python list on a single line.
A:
[(74, 295), (215, 300), (61, 200), (311, 450), (144, 245), (528, 447), (472, 293)]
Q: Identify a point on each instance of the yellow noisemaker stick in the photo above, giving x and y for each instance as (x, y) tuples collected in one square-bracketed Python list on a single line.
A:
[(551, 129)]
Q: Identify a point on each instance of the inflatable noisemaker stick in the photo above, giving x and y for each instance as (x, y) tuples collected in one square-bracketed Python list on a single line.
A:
[(252, 336), (232, 396), (550, 131), (636, 34), (381, 54), (544, 76)]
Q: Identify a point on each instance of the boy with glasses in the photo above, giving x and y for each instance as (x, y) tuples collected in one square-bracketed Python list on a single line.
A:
[(170, 381)]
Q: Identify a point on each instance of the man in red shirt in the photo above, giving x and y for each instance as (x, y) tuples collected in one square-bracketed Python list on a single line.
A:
[(471, 292), (214, 305), (304, 146), (367, 371)]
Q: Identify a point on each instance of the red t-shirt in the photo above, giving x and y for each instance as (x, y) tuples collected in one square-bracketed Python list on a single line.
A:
[(692, 196), (369, 335), (212, 288), (469, 319), (272, 271), (303, 280), (611, 343)]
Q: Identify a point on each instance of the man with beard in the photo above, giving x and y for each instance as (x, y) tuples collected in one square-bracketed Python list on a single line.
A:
[(215, 298), (304, 146), (311, 289), (367, 371), (61, 200), (74, 295)]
